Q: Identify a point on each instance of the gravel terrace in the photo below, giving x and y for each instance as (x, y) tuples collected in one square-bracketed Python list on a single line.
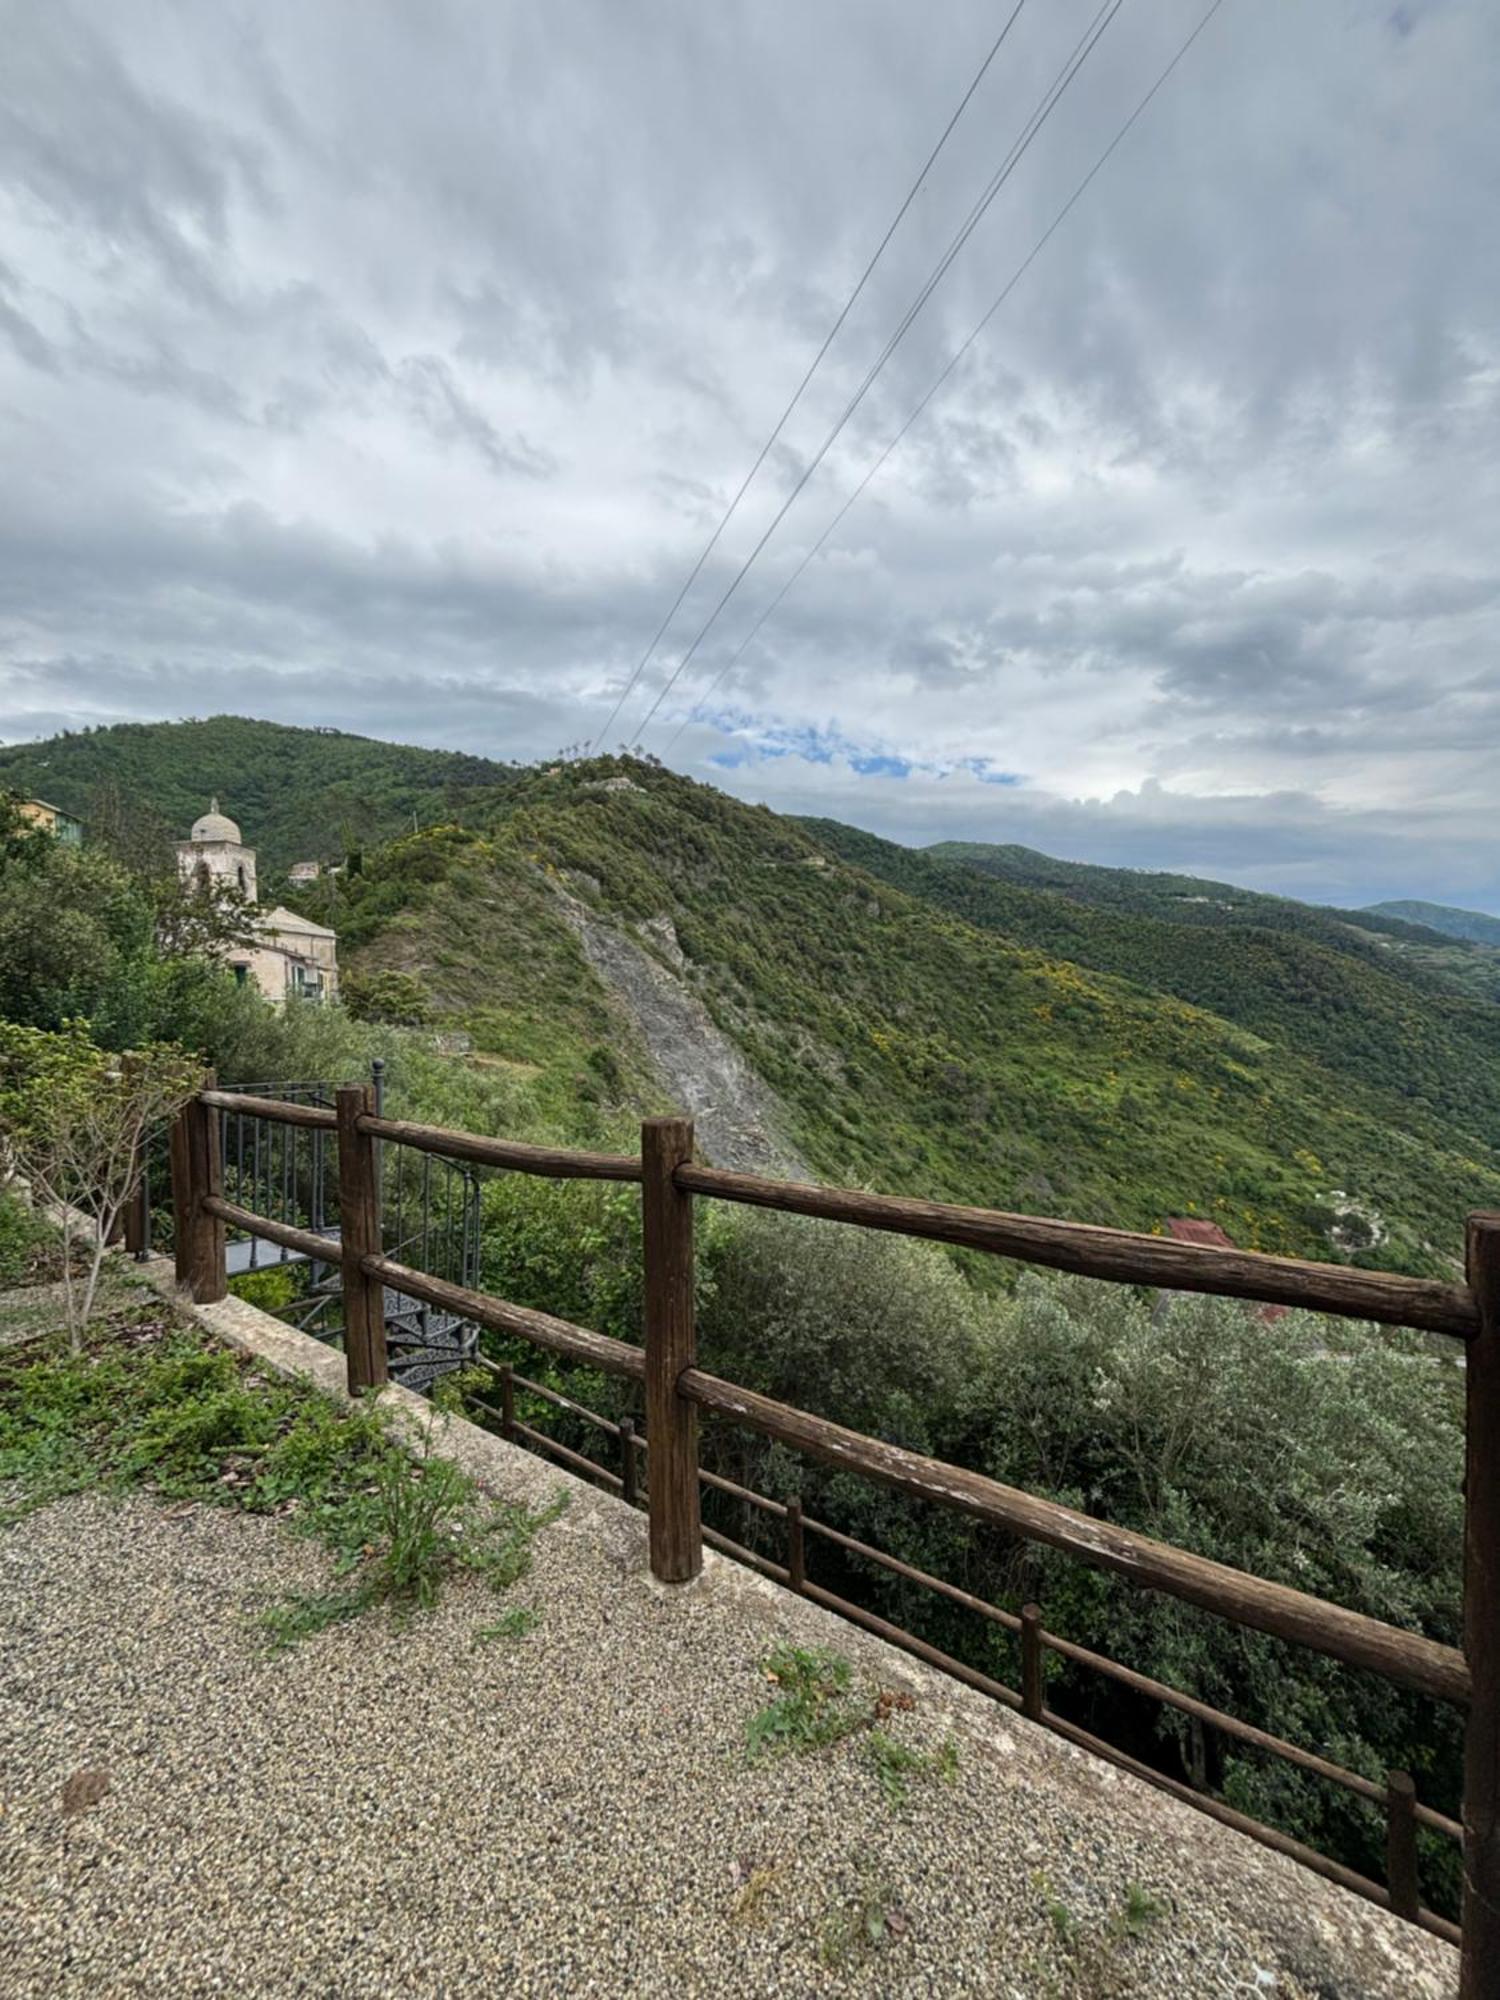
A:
[(410, 1812)]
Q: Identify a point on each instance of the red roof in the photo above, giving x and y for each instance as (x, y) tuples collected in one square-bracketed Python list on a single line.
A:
[(1198, 1229), (1195, 1229)]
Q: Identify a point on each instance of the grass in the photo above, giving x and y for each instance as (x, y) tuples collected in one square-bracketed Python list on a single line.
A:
[(153, 1405), (816, 1707), (29, 1245), (1096, 1957), (867, 1921), (813, 1709), (512, 1624), (896, 1764)]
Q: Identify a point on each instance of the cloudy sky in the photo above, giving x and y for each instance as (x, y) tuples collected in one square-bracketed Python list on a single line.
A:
[(389, 365)]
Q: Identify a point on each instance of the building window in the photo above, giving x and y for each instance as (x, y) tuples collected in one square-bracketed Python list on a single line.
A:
[(241, 974), (240, 875)]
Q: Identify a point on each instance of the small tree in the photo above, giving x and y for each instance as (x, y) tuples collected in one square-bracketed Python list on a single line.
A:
[(73, 1119)]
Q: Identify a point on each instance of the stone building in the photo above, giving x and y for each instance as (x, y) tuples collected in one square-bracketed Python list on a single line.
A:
[(288, 954)]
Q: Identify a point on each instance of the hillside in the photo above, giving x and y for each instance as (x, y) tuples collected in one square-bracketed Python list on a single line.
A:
[(924, 1027), (1189, 899), (299, 794), (1356, 1005), (1471, 925), (916, 1050)]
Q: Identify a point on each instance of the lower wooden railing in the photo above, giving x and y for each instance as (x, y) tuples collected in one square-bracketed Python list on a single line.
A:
[(660, 1467)]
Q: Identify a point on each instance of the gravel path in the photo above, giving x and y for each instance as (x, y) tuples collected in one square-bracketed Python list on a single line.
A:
[(409, 1812)]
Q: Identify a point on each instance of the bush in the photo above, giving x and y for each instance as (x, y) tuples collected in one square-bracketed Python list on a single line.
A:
[(26, 1241)]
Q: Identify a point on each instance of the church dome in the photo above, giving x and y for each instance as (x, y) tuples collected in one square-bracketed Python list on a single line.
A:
[(215, 825)]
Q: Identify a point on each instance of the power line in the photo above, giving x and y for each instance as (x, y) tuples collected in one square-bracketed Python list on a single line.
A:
[(952, 362), (848, 306), (1081, 52)]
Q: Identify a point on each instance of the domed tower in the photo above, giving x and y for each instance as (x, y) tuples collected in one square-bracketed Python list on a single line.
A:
[(214, 852)]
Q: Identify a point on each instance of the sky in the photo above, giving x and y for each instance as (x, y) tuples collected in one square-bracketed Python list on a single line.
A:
[(388, 366)]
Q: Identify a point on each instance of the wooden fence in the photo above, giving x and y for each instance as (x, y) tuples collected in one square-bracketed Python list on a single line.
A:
[(676, 1390)]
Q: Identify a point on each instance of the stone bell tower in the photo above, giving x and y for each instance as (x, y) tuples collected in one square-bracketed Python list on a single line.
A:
[(214, 851)]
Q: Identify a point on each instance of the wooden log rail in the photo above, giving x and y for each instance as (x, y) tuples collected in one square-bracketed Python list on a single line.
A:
[(677, 1390), (1396, 1798)]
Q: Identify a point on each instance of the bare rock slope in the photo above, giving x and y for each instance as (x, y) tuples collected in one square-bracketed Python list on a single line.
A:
[(739, 1119)]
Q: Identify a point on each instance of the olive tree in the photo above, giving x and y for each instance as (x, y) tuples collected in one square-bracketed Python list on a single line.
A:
[(73, 1118)]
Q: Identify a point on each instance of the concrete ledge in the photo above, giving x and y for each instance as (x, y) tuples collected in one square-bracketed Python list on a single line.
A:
[(1374, 1953)]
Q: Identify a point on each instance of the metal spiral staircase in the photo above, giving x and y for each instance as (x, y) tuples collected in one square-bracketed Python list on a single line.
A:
[(429, 1219)]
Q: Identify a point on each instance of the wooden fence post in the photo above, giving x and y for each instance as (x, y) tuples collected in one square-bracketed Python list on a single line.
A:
[(1033, 1678), (359, 1237), (671, 1346), (796, 1548), (198, 1171), (1401, 1844), (629, 1483), (136, 1215), (183, 1197), (1479, 1974)]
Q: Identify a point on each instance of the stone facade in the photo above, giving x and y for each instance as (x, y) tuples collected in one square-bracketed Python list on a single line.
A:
[(289, 954)]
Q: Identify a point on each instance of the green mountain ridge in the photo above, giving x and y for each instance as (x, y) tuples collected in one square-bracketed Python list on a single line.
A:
[(1181, 898), (928, 1027), (298, 794), (1285, 971), (1472, 926)]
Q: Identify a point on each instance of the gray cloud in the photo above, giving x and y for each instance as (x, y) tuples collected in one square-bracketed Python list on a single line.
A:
[(387, 367)]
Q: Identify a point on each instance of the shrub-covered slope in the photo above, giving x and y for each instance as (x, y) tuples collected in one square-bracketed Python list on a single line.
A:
[(1471, 925), (918, 1051), (1183, 898), (1300, 978)]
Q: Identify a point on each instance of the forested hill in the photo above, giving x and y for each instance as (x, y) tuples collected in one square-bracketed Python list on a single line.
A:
[(913, 1049), (1180, 898), (1471, 925), (1297, 975), (926, 1028), (298, 794)]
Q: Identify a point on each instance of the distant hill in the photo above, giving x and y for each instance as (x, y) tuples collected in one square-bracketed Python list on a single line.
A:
[(1188, 899), (297, 794), (1472, 925), (1355, 1003)]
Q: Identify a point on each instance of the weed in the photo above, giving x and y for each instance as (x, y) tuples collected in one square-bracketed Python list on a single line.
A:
[(896, 1764), (1096, 1960), (148, 1403), (512, 1624), (813, 1709), (1139, 1911), (1064, 1922), (869, 1920), (749, 1905)]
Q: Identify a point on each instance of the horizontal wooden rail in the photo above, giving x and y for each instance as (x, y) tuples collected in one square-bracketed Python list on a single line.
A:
[(550, 1395), (952, 1591), (551, 1162), (1138, 1683), (322, 1249), (1350, 1636), (1244, 1732), (558, 1336), (1122, 1255), (322, 1118), (920, 1649)]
